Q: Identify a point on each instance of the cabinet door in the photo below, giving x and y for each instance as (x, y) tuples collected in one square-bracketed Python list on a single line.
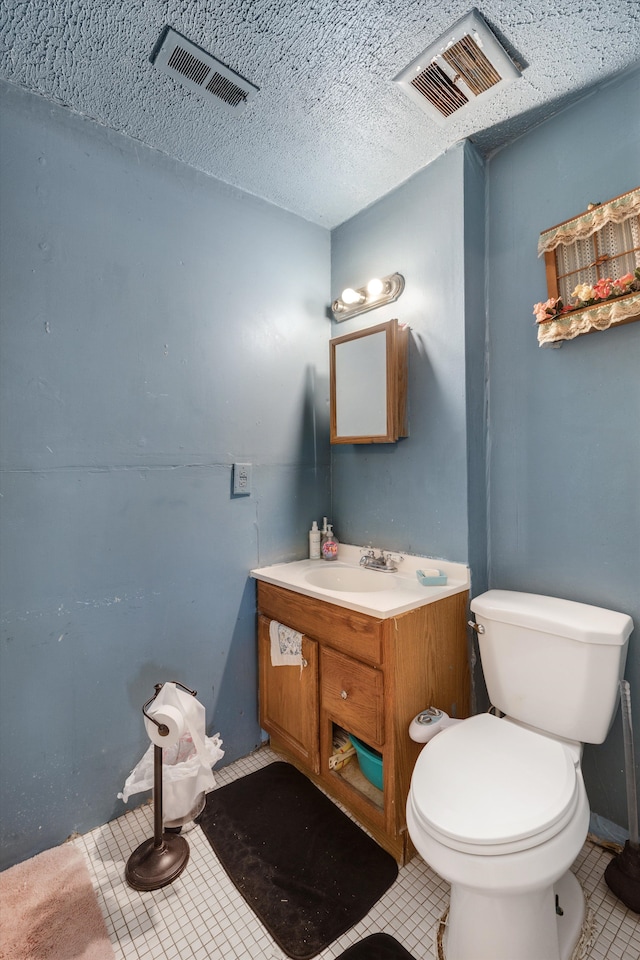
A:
[(368, 384), (289, 699)]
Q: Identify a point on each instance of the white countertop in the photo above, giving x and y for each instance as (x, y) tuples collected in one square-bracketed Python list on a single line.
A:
[(399, 592)]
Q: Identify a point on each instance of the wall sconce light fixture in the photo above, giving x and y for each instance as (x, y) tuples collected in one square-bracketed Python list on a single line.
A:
[(375, 294)]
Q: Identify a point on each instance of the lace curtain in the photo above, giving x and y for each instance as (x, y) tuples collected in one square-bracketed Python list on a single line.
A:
[(614, 212)]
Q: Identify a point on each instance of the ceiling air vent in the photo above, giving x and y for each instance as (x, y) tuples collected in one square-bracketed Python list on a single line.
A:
[(465, 63), (201, 72)]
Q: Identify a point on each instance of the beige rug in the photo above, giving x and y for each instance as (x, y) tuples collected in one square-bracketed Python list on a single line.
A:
[(49, 911)]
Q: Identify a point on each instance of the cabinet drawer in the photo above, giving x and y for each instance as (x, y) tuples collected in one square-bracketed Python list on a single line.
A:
[(350, 631), (352, 695)]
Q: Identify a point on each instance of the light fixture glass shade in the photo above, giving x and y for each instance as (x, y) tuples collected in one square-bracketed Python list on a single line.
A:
[(360, 299)]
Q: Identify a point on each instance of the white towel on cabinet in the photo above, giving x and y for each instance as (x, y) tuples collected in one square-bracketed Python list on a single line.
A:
[(286, 645)]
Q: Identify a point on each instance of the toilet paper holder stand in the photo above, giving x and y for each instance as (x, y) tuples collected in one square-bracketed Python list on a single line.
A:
[(159, 861)]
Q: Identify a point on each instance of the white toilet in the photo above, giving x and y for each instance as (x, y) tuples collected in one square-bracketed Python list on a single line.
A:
[(497, 806)]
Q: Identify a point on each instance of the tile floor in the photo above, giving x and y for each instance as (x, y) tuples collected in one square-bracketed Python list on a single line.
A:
[(201, 916)]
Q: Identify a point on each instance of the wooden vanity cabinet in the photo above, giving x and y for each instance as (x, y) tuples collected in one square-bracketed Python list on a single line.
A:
[(370, 677)]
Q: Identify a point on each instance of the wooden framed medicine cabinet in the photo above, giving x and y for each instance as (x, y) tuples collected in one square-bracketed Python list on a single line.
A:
[(368, 389)]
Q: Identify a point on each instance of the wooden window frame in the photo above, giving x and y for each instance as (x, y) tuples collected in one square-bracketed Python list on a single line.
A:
[(585, 232)]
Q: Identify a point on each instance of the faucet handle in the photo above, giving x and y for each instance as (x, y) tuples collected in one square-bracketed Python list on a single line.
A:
[(392, 557)]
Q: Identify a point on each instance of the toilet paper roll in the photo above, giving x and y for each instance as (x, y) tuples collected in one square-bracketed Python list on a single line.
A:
[(172, 718)]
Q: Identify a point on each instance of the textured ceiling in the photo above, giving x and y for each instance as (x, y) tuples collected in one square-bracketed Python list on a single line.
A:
[(328, 133)]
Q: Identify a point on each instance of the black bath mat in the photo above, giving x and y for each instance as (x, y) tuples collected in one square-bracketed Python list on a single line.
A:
[(379, 946), (302, 865)]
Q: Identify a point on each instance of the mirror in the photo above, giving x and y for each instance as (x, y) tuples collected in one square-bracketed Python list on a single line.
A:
[(369, 384)]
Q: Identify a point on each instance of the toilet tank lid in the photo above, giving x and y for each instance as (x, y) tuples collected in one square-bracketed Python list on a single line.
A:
[(566, 618)]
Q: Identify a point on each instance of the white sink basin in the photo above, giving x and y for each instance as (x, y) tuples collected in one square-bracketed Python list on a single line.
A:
[(373, 592), (350, 579)]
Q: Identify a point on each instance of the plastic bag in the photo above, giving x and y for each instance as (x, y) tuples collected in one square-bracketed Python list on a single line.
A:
[(185, 778)]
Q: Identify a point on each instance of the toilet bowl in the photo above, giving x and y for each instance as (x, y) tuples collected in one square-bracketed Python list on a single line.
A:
[(501, 813), (497, 805)]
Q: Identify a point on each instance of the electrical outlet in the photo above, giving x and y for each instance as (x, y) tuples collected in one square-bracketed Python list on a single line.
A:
[(241, 478)]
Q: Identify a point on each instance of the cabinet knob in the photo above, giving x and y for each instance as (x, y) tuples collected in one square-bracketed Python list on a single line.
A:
[(344, 694)]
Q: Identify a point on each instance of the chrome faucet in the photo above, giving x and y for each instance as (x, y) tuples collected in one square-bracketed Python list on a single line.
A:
[(385, 562)]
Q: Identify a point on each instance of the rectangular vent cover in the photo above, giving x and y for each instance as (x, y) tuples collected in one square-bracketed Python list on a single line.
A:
[(200, 71), (465, 63)]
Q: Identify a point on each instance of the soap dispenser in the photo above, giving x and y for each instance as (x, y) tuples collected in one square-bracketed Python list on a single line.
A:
[(329, 546), (314, 541)]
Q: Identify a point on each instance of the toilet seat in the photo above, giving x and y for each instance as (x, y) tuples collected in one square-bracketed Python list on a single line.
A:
[(490, 787)]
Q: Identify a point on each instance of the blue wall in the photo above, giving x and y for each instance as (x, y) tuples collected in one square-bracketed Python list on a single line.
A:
[(523, 462), (156, 326), (426, 494), (564, 489), (412, 495)]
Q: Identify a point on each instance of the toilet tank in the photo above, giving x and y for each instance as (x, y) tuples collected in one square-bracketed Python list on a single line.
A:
[(551, 663)]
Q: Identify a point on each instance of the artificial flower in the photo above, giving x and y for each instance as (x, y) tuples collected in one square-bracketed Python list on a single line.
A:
[(603, 288), (625, 281), (583, 292), (545, 311), (584, 295)]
